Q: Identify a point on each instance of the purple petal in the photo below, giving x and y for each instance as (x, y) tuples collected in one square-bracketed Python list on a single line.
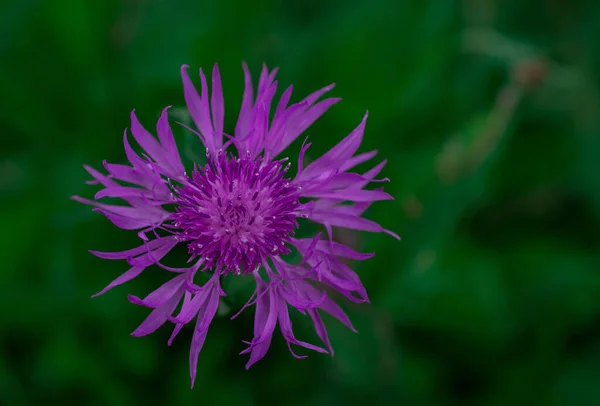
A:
[(178, 326), (328, 247), (333, 309), (127, 217), (142, 249), (314, 96), (356, 209), (156, 254), (265, 319), (174, 334), (158, 316), (343, 180), (217, 106), (352, 222), (293, 296), (283, 101), (297, 127), (241, 127), (261, 126), (349, 194), (320, 329), (260, 115), (205, 123), (358, 159), (279, 128), (145, 139), (340, 283), (197, 109), (103, 179), (131, 221), (125, 277), (191, 309), (169, 154), (135, 160), (258, 350), (263, 81), (370, 175), (161, 295), (125, 191), (129, 174), (205, 317), (338, 155), (285, 324)]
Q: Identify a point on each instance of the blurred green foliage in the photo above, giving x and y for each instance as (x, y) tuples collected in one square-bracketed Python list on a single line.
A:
[(488, 112)]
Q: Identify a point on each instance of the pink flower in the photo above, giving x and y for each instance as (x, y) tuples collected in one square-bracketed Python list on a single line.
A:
[(238, 213)]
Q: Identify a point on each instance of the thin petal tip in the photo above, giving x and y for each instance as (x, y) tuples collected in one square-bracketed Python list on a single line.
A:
[(135, 300), (95, 295), (396, 236), (133, 117)]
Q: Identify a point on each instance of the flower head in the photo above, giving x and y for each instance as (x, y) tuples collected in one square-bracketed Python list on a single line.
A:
[(237, 214)]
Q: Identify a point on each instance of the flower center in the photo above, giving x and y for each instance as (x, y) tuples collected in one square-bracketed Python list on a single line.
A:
[(236, 212)]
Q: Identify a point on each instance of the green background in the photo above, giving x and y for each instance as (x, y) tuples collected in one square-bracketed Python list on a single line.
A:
[(488, 112)]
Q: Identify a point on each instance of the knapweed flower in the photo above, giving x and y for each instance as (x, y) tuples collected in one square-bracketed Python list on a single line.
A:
[(237, 214)]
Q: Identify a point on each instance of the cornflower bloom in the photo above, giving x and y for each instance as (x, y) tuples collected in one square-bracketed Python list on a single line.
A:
[(237, 214)]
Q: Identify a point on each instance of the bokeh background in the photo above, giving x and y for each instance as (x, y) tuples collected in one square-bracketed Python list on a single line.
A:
[(488, 112)]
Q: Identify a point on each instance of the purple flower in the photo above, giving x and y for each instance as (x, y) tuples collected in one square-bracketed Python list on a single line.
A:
[(237, 214)]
